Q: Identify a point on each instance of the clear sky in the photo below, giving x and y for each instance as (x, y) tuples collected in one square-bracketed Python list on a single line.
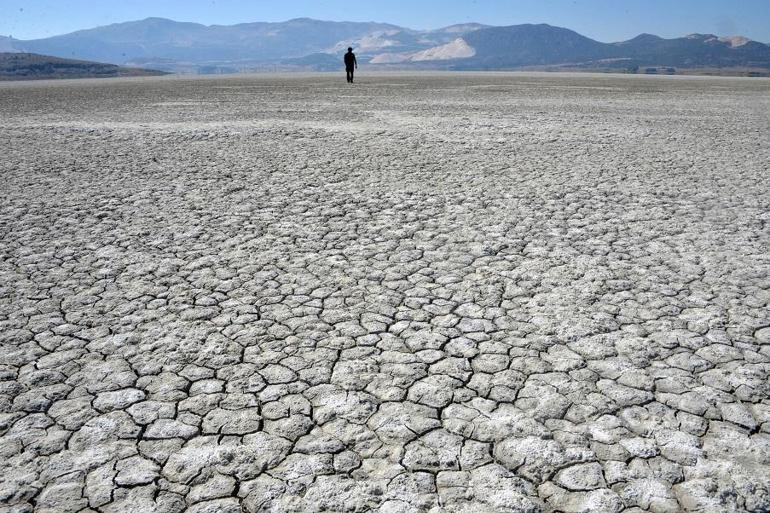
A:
[(604, 20)]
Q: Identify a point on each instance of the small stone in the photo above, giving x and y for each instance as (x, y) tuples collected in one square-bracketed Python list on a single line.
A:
[(216, 487), (739, 414), (230, 505), (291, 428), (437, 450), (136, 471), (763, 335), (118, 400), (99, 485), (650, 494), (534, 456), (398, 423), (277, 374), (232, 422), (169, 428), (581, 477), (346, 461), (261, 492), (641, 447), (595, 501)]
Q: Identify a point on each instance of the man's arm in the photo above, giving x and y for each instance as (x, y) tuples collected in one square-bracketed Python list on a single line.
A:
[(355, 61)]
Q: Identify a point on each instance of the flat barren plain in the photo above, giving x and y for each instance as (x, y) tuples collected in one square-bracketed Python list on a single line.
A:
[(429, 293)]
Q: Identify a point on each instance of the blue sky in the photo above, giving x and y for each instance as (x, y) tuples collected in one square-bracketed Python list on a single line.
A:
[(605, 20)]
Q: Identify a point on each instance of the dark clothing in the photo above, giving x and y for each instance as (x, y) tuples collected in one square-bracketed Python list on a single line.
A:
[(350, 65), (350, 60)]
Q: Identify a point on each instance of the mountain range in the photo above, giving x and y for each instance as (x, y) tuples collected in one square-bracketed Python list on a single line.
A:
[(305, 43)]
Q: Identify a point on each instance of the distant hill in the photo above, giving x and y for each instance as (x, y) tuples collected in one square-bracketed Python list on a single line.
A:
[(29, 66), (307, 44), (528, 46), (695, 50), (532, 45)]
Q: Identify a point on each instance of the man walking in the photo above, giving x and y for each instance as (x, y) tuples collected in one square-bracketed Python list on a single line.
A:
[(351, 64)]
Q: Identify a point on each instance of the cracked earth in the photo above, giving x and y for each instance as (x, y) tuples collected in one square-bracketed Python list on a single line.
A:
[(436, 293)]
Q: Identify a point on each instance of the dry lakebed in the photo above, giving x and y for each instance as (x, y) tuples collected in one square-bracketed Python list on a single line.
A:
[(434, 292)]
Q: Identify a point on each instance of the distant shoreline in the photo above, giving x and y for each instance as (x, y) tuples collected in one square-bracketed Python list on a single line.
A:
[(369, 78)]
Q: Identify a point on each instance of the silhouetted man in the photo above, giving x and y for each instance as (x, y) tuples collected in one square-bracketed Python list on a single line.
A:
[(351, 64)]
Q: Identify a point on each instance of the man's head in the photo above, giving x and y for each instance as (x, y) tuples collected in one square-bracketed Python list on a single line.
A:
[(350, 50)]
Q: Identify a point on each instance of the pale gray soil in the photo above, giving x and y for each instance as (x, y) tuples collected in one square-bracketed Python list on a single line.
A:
[(444, 293)]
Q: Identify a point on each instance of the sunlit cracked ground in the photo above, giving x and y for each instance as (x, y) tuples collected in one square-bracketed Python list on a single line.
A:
[(436, 293)]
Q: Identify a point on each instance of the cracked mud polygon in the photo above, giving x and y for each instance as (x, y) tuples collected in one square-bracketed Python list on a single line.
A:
[(422, 293)]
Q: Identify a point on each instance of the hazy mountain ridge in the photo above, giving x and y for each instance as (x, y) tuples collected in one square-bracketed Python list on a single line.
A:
[(312, 44), (28, 66), (166, 39)]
